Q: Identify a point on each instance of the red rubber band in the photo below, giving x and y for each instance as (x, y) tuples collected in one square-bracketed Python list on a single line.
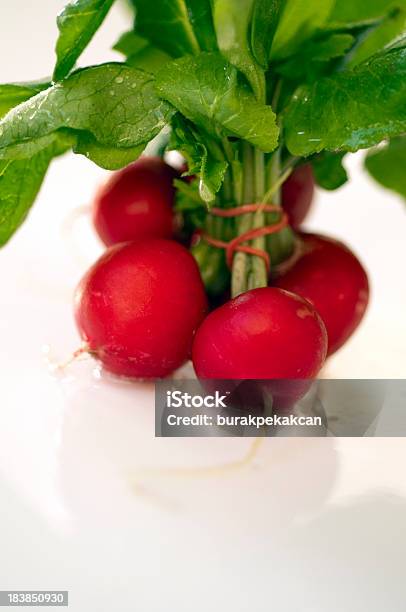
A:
[(237, 244)]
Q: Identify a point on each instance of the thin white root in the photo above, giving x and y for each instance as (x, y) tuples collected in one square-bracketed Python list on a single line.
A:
[(83, 351), (202, 472)]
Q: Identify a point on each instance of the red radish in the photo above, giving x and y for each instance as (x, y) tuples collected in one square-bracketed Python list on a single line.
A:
[(329, 275), (287, 393), (139, 306), (250, 394), (297, 194), (136, 202), (262, 334)]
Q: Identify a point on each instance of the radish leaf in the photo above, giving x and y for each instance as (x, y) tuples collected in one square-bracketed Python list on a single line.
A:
[(13, 94), (387, 165), (232, 22), (383, 34), (329, 171), (314, 56), (107, 157), (165, 23), (200, 16), (140, 53), (20, 182), (265, 19), (352, 110), (77, 24), (299, 21), (360, 11), (115, 103), (210, 170), (207, 91), (25, 150)]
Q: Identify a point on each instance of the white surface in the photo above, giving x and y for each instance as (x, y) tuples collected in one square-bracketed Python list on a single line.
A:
[(92, 502)]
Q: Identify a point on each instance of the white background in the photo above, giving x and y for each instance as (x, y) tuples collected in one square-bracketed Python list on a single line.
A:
[(91, 502)]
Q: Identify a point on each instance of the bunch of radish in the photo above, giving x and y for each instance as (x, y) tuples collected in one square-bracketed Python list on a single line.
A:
[(143, 310), (261, 100)]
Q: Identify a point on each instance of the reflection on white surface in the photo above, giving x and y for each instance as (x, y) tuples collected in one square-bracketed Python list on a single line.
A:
[(92, 502)]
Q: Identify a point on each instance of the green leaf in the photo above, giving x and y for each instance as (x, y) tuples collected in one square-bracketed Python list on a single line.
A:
[(352, 110), (130, 44), (323, 50), (149, 59), (116, 104), (383, 34), (265, 20), (212, 175), (25, 150), (107, 157), (12, 94), (213, 268), (299, 21), (200, 16), (3, 166), (188, 197), (77, 24), (329, 171), (165, 23), (20, 181), (232, 22), (387, 165), (140, 53), (207, 91), (189, 204), (314, 56), (360, 11), (200, 160)]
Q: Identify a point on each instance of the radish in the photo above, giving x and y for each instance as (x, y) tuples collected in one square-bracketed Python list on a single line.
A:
[(297, 194), (329, 275), (136, 202), (264, 333), (138, 307)]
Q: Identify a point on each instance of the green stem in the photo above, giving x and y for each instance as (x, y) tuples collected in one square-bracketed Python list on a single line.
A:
[(280, 246), (273, 176), (250, 272), (226, 227), (258, 276), (249, 180), (276, 186), (228, 188), (241, 264)]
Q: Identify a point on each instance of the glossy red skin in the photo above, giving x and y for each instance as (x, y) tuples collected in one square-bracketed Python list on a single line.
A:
[(329, 275), (249, 394), (262, 334), (287, 393), (136, 202), (297, 194), (139, 306)]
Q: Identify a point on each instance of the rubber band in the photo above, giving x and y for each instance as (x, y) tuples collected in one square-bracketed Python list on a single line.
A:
[(237, 244)]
